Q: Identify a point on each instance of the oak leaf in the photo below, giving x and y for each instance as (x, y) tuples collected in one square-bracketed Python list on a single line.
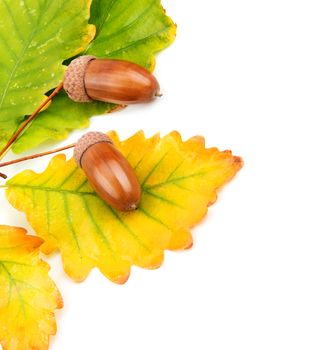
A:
[(179, 180), (36, 36), (133, 30), (28, 297)]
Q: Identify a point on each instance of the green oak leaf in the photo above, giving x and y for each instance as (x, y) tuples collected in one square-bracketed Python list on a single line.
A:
[(36, 36), (133, 30), (53, 126)]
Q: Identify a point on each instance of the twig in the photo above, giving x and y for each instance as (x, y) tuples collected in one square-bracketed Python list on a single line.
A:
[(34, 156)]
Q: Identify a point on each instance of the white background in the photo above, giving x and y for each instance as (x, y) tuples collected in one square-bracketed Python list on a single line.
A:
[(246, 75)]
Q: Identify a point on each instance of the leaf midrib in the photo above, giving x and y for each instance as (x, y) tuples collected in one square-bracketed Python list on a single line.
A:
[(12, 281), (99, 28), (50, 189), (21, 56), (75, 192)]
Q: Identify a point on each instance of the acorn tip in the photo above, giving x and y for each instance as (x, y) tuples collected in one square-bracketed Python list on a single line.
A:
[(132, 207)]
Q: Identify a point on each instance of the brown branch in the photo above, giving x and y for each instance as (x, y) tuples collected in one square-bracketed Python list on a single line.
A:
[(34, 156), (29, 120)]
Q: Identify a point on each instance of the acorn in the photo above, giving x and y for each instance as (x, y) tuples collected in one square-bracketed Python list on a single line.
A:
[(89, 78), (108, 171)]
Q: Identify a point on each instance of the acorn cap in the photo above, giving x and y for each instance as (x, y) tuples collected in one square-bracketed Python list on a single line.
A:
[(74, 81), (86, 141)]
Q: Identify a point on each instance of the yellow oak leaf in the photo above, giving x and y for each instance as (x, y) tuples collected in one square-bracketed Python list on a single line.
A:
[(28, 297), (179, 180)]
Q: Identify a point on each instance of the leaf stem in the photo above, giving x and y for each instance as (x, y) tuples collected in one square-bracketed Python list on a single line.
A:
[(33, 156), (6, 148)]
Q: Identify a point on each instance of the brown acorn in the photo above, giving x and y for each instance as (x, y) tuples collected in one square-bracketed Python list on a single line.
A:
[(108, 171), (88, 78)]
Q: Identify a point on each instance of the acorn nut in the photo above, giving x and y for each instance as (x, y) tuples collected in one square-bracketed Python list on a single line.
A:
[(108, 171), (89, 78)]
